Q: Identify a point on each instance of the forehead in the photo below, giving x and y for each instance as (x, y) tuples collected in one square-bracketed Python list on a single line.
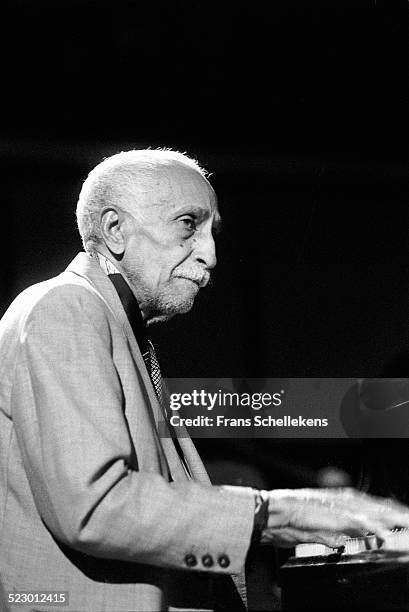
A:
[(175, 188)]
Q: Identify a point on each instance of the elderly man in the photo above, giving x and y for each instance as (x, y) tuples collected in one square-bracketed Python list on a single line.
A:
[(98, 511)]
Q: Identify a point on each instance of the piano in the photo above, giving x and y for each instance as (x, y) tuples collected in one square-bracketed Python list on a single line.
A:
[(358, 576)]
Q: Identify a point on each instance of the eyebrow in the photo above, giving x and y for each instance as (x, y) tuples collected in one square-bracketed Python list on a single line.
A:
[(200, 213)]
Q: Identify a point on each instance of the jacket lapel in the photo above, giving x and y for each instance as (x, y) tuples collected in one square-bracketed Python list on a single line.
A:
[(89, 269)]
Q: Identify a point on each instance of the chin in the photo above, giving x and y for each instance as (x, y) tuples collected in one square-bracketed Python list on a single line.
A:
[(185, 307), (167, 310)]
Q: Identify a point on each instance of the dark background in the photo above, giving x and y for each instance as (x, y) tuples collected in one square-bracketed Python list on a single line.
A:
[(299, 110)]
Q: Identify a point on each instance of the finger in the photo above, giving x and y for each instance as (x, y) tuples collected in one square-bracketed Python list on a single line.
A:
[(387, 512), (384, 511), (328, 538), (340, 513), (316, 517), (379, 506), (388, 502), (287, 537), (393, 519), (362, 524)]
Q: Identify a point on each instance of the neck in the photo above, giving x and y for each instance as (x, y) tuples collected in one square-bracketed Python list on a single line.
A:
[(118, 267)]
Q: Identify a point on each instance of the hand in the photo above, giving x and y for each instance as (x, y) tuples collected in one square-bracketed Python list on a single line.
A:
[(328, 516)]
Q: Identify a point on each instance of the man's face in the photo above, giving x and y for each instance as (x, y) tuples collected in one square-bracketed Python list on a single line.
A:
[(170, 249)]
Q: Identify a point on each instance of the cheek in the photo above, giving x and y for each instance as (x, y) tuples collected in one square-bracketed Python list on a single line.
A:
[(177, 256)]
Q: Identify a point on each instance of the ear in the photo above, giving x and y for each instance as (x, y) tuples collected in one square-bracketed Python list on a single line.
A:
[(112, 229)]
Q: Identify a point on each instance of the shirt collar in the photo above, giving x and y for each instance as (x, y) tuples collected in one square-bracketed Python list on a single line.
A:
[(109, 268), (106, 264)]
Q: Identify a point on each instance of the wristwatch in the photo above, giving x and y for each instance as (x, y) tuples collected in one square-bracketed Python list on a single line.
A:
[(260, 516)]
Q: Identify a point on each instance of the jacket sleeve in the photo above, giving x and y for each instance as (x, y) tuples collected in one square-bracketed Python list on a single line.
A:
[(67, 409)]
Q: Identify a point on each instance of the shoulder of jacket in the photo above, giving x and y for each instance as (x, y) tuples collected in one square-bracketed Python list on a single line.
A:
[(58, 298)]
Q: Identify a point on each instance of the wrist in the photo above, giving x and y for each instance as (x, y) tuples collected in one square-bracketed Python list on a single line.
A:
[(260, 516)]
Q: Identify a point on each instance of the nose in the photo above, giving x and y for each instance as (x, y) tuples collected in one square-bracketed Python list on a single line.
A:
[(205, 250)]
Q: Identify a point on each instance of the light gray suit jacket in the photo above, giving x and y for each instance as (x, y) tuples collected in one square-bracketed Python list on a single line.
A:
[(86, 502)]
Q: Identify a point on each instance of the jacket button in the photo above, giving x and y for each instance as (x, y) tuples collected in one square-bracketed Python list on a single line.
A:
[(190, 560), (223, 561), (207, 560)]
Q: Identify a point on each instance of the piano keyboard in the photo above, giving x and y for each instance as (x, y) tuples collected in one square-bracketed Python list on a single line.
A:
[(398, 540)]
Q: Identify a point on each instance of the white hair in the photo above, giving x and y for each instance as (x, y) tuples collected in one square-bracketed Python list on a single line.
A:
[(115, 180)]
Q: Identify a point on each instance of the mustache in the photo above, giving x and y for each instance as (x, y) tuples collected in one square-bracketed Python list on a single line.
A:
[(200, 277)]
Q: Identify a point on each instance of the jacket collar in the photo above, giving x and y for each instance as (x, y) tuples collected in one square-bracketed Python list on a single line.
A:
[(88, 268)]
